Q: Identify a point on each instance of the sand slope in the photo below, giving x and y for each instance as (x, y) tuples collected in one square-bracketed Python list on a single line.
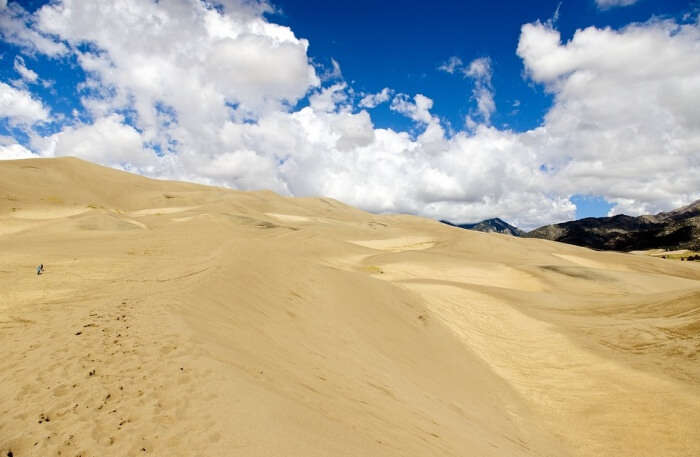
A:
[(177, 319)]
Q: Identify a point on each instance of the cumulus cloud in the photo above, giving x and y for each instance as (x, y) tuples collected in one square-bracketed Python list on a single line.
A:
[(211, 97), (333, 73), (605, 4), (481, 72), (15, 151), (417, 110), (328, 98), (480, 69), (626, 121), (451, 65), (199, 67), (16, 27), (374, 100), (25, 73), (107, 141), (19, 107)]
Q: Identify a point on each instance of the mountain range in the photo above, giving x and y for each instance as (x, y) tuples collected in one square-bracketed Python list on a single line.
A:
[(494, 225), (677, 229)]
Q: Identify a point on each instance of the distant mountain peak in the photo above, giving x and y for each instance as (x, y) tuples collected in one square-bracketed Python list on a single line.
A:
[(493, 225)]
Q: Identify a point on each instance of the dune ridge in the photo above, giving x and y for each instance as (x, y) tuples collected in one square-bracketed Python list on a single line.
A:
[(180, 319)]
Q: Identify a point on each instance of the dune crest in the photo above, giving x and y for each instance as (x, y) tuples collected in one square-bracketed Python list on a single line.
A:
[(177, 319)]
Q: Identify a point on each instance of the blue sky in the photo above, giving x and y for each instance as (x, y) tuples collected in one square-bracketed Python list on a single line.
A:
[(535, 125), (400, 44)]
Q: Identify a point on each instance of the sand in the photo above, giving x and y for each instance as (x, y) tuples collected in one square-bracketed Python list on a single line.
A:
[(177, 319)]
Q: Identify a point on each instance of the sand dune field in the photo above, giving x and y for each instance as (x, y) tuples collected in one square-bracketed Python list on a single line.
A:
[(178, 319)]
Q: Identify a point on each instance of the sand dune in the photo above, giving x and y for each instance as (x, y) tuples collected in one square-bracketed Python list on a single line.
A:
[(177, 319), (48, 213), (159, 211), (406, 243)]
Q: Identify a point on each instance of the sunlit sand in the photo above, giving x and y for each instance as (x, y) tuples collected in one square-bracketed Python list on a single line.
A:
[(177, 319)]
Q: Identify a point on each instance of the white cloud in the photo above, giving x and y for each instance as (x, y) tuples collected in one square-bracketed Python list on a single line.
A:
[(333, 73), (373, 100), (107, 141), (328, 98), (26, 73), (452, 65), (480, 69), (485, 103), (481, 72), (353, 130), (19, 107), (605, 4), (17, 27), (555, 16), (14, 152), (626, 117), (418, 110), (183, 58), (214, 93)]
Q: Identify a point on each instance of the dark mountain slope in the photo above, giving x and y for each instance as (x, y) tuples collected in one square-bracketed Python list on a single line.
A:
[(494, 225), (677, 229)]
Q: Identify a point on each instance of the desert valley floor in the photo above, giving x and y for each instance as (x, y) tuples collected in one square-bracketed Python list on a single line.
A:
[(178, 319)]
